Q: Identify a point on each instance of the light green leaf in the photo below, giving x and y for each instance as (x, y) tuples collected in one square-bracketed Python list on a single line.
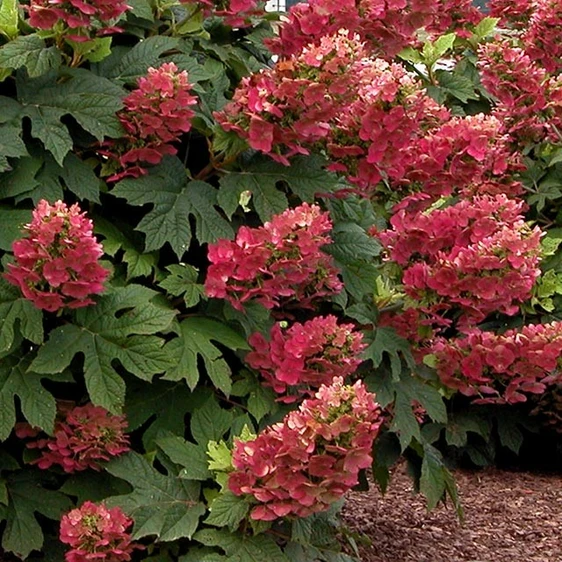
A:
[(167, 507), (27, 497), (219, 456), (174, 200), (227, 510), (485, 28), (9, 18), (38, 405), (119, 328), (240, 548), (94, 50), (192, 458), (17, 313), (197, 335)]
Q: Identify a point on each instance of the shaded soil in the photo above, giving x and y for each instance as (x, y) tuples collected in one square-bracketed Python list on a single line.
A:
[(510, 517)]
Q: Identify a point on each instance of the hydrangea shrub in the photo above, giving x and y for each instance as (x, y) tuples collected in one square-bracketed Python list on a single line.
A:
[(231, 282)]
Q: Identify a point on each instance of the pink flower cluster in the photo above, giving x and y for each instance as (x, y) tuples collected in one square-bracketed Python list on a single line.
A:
[(363, 112), (56, 264), (287, 109), (155, 115), (296, 361), (236, 13), (83, 437), (512, 13), (528, 101), (478, 255), (458, 154), (276, 264), (96, 533), (501, 368), (387, 26), (309, 460), (541, 37), (79, 15)]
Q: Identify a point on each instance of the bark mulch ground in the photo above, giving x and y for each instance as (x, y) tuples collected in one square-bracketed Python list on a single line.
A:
[(510, 517)]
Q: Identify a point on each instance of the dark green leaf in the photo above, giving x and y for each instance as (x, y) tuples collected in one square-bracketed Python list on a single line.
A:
[(182, 281), (38, 405), (120, 327), (27, 497), (197, 335), (29, 51), (240, 548), (165, 506), (130, 64), (385, 341), (174, 200), (192, 458), (210, 422)]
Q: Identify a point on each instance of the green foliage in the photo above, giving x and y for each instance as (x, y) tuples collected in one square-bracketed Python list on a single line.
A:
[(153, 347), (120, 328), (165, 506), (174, 199)]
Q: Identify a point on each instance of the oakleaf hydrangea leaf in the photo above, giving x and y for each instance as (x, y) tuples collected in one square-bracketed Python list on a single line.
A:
[(17, 313), (119, 328), (197, 335), (174, 200), (38, 405), (162, 505), (27, 497)]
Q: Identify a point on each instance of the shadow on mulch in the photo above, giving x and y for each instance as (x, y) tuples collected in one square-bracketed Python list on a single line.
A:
[(510, 517)]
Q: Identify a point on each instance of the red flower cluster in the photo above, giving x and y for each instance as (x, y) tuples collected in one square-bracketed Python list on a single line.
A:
[(387, 26), (236, 13), (83, 436), (478, 255), (373, 133), (155, 115), (277, 263), (501, 368), (300, 359), (460, 153), (523, 91), (541, 37), (57, 263), (96, 533), (284, 110), (512, 13), (81, 15), (362, 111), (309, 460)]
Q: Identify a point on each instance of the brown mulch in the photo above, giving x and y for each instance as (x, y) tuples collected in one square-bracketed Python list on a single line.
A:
[(510, 517)]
